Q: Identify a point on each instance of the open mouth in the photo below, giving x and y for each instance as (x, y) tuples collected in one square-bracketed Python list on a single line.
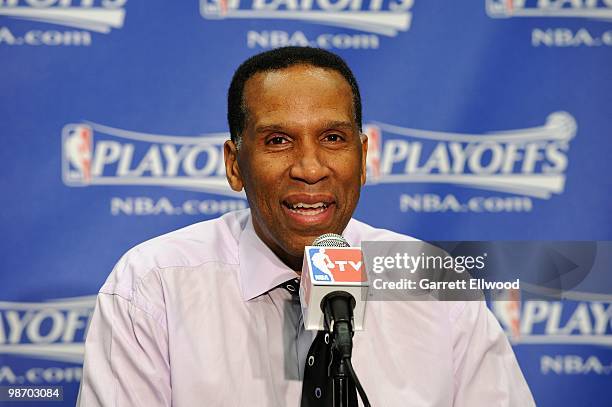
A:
[(307, 209)]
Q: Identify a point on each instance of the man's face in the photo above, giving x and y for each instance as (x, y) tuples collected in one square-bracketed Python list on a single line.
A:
[(301, 162)]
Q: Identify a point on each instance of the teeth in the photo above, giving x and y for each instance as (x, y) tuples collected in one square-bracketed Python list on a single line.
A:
[(308, 206), (308, 209)]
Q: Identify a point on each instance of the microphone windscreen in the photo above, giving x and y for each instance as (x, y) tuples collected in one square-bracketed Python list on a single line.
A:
[(330, 240)]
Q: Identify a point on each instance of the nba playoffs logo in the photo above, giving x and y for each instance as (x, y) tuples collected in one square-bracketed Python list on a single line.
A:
[(385, 17), (528, 161), (53, 330), (94, 154), (598, 9), (567, 322), (100, 16), (340, 265)]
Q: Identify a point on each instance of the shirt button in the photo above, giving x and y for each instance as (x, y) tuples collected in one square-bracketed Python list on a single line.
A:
[(310, 360), (318, 392), (291, 287), (327, 339)]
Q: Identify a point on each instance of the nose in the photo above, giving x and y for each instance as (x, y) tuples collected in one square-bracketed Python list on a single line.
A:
[(310, 163)]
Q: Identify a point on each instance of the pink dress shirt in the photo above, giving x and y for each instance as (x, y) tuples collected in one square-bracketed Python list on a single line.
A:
[(196, 318)]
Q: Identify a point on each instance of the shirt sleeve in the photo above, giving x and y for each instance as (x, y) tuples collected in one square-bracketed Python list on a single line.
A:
[(126, 348), (485, 368)]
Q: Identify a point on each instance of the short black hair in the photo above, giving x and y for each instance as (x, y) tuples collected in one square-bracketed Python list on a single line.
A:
[(281, 58)]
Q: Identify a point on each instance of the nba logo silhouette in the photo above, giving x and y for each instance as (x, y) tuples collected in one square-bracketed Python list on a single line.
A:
[(321, 264), (77, 146), (373, 157), (507, 308), (500, 8), (214, 9)]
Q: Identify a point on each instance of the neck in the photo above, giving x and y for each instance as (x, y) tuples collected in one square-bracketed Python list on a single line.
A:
[(291, 261), (294, 263)]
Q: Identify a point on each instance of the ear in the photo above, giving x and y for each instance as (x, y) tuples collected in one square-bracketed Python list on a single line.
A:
[(232, 172), (364, 156)]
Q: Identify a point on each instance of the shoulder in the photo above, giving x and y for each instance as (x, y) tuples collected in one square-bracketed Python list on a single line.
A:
[(212, 241)]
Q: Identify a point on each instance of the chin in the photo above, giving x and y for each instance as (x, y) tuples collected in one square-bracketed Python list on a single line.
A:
[(296, 247)]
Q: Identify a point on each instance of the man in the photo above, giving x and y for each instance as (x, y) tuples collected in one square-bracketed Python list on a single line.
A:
[(207, 315)]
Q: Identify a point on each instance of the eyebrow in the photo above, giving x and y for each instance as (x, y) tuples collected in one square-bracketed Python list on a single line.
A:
[(335, 124)]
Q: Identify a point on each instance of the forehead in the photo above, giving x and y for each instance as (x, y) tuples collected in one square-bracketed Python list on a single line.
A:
[(299, 90)]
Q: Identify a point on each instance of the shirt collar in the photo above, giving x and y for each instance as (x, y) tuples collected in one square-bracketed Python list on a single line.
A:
[(260, 269)]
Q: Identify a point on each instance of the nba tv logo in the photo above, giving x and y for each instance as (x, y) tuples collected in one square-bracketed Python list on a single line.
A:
[(340, 265)]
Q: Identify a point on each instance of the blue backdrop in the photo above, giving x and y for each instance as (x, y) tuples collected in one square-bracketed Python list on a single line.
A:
[(487, 120)]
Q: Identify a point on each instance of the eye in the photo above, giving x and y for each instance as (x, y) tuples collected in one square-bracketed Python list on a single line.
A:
[(277, 140), (333, 138)]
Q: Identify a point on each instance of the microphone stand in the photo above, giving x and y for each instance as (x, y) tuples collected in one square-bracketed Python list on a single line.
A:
[(338, 311), (343, 393)]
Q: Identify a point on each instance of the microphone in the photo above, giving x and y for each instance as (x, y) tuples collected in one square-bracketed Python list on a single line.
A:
[(333, 289), (331, 266)]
